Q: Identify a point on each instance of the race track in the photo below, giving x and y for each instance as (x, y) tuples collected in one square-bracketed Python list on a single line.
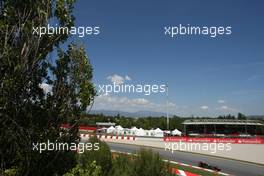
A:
[(229, 166)]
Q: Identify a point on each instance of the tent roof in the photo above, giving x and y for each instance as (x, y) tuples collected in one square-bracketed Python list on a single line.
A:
[(158, 130), (134, 128), (176, 131), (111, 127)]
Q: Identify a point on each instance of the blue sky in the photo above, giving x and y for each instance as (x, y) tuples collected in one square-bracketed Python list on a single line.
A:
[(206, 76)]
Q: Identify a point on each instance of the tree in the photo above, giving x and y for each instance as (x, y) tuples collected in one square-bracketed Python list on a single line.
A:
[(92, 170), (103, 156), (122, 165), (149, 163), (241, 116), (28, 114)]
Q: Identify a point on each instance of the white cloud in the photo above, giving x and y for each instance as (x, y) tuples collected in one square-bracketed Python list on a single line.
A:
[(47, 88), (117, 79), (170, 104), (127, 78), (224, 107), (221, 101), (110, 102), (227, 108), (204, 107), (140, 101)]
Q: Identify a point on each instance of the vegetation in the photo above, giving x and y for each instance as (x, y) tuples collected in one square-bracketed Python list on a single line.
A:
[(124, 165), (127, 122), (149, 163), (145, 163), (91, 170), (103, 156), (38, 93), (148, 122)]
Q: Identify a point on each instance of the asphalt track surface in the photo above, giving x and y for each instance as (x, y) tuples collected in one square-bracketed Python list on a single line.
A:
[(228, 166)]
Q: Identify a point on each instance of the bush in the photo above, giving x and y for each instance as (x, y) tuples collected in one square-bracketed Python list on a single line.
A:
[(148, 163), (102, 156), (145, 163), (92, 170), (9, 172), (122, 166)]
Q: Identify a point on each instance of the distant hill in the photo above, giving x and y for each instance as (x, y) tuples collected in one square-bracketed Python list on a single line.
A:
[(150, 114), (129, 114)]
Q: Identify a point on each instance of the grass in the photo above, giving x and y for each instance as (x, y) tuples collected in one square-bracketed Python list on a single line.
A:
[(180, 167)]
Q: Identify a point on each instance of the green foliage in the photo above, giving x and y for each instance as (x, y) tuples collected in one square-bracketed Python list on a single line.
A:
[(103, 156), (28, 114), (123, 165), (128, 122), (90, 170), (145, 163), (10, 172), (241, 116), (149, 163), (72, 86)]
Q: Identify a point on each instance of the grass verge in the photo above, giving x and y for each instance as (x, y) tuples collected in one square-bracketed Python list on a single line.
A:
[(180, 167)]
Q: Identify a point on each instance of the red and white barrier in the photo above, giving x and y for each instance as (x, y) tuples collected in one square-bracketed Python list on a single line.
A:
[(178, 172), (182, 173), (256, 140), (113, 137)]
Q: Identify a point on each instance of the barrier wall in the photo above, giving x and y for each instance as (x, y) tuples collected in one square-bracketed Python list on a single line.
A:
[(113, 137), (256, 140)]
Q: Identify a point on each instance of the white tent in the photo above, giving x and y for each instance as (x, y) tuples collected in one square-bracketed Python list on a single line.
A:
[(111, 129), (167, 132), (127, 131), (158, 133), (119, 129), (133, 130), (176, 132), (150, 132), (140, 132)]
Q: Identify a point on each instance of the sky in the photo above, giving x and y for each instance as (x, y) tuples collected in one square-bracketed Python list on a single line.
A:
[(205, 76)]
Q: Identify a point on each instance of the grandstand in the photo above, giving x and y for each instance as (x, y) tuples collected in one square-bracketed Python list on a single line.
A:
[(222, 128)]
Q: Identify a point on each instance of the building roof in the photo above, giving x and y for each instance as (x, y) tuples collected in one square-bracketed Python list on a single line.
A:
[(221, 122), (105, 124)]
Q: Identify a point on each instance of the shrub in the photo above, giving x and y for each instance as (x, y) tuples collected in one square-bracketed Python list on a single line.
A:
[(102, 156), (149, 163), (122, 166), (92, 170), (146, 163)]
